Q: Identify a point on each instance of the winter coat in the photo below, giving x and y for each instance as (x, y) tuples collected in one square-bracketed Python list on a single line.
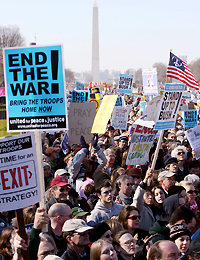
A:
[(71, 254), (101, 212), (170, 204)]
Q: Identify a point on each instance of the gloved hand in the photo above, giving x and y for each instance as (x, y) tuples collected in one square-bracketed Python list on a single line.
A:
[(94, 140), (83, 142)]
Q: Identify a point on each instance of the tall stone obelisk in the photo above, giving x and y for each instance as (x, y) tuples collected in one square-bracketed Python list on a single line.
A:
[(95, 44)]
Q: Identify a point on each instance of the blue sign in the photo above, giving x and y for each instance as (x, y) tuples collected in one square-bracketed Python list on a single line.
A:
[(79, 86), (119, 102), (190, 118), (80, 96), (34, 78)]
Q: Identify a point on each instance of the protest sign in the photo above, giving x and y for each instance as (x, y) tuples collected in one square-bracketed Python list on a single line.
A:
[(169, 106), (35, 87), (80, 96), (125, 83), (141, 142), (96, 101), (81, 117), (3, 121), (119, 101), (103, 114), (79, 85), (97, 93), (150, 82), (193, 135), (20, 186), (153, 107), (120, 117), (190, 118)]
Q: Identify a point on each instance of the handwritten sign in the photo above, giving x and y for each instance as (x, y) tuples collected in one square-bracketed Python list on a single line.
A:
[(80, 96), (79, 85), (169, 106), (150, 82), (103, 114), (190, 118), (19, 179), (120, 118), (35, 87), (125, 83), (81, 117), (193, 135), (141, 142)]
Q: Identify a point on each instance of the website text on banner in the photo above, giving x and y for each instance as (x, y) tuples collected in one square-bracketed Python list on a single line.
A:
[(35, 87)]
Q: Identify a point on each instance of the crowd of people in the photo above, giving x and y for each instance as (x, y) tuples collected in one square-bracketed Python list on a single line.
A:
[(120, 211)]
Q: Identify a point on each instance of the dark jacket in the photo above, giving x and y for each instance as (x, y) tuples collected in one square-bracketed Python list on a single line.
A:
[(71, 254), (53, 201)]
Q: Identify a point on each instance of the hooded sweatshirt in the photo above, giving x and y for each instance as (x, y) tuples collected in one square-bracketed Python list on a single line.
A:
[(101, 212)]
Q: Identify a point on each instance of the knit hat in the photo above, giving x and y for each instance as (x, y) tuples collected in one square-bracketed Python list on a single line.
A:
[(171, 160), (46, 164), (179, 230), (98, 231), (99, 176)]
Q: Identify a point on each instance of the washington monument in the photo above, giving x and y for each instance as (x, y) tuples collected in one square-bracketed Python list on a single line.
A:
[(95, 44)]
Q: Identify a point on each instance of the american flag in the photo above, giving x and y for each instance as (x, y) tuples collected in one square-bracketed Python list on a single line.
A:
[(178, 69)]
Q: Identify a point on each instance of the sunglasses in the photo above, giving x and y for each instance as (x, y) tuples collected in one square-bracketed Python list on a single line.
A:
[(191, 191), (135, 217), (64, 189), (179, 153), (129, 184), (82, 234)]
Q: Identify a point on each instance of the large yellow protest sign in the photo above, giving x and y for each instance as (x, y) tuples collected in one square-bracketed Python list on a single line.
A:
[(104, 113)]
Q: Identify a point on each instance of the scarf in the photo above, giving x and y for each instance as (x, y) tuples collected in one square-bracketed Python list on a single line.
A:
[(125, 199)]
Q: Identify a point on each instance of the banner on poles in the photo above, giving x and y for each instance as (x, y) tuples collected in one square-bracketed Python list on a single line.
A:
[(169, 108), (190, 118), (19, 176), (81, 117), (125, 83), (120, 118), (35, 87), (141, 142), (79, 86), (150, 82)]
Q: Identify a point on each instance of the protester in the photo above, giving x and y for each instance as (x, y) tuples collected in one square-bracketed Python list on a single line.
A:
[(124, 185), (166, 179), (6, 240), (110, 166), (101, 231), (102, 250), (181, 154)]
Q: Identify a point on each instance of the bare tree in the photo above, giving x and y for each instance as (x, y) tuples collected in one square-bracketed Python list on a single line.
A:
[(161, 71), (69, 76), (88, 79), (10, 36), (195, 68), (138, 76)]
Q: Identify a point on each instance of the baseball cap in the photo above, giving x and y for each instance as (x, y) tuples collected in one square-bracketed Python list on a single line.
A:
[(76, 225), (60, 181), (79, 212), (60, 172), (165, 174)]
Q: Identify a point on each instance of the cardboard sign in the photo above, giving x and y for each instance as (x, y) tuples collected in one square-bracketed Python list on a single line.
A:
[(80, 96), (104, 113), (153, 107), (141, 142), (3, 120), (19, 175), (81, 117), (120, 118), (169, 108), (35, 87), (150, 82), (79, 86), (190, 118), (125, 83), (119, 102), (193, 135)]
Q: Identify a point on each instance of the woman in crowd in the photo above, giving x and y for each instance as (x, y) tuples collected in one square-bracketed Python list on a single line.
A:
[(181, 154), (159, 197), (102, 250), (6, 241), (124, 244), (191, 194), (115, 226), (101, 231), (181, 236)]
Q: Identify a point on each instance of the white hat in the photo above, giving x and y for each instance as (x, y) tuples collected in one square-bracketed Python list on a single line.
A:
[(52, 257), (46, 164), (165, 174), (76, 225), (192, 178), (60, 172)]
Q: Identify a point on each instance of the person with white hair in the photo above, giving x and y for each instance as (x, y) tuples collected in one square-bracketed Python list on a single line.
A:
[(181, 154)]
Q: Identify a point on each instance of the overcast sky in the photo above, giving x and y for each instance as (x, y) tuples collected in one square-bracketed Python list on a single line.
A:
[(132, 33)]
